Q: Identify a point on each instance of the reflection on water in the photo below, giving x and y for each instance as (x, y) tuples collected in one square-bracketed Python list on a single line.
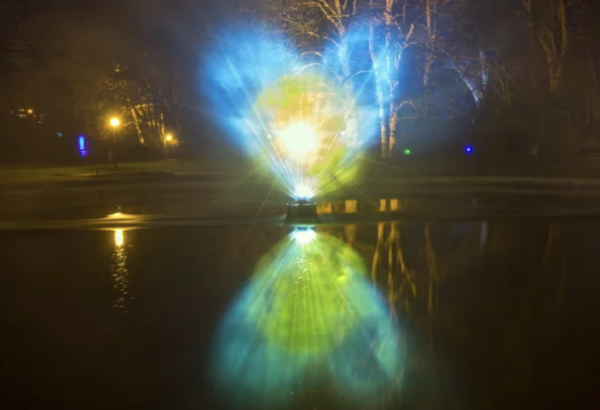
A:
[(484, 234), (491, 315), (494, 314), (118, 269), (308, 320), (119, 238)]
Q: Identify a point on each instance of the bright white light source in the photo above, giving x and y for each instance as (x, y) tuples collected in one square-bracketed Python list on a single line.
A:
[(303, 192), (299, 139), (305, 236)]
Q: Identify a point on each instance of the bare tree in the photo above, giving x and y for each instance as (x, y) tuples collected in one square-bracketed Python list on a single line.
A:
[(14, 14), (547, 21), (391, 32)]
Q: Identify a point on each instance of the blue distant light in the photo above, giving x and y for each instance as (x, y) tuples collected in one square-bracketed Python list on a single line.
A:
[(81, 142), (469, 149)]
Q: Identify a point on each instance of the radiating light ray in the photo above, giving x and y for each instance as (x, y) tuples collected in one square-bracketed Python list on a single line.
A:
[(237, 184), (403, 169), (297, 121), (364, 195), (308, 319), (260, 210)]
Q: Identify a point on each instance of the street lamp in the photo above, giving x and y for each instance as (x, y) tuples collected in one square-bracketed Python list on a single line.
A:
[(168, 139), (115, 123)]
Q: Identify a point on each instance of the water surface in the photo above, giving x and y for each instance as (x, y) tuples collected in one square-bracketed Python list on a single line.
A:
[(427, 315)]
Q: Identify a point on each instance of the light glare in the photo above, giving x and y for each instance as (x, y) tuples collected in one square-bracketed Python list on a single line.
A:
[(294, 118), (304, 192), (304, 237), (300, 139)]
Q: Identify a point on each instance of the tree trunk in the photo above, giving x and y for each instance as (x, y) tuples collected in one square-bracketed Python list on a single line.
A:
[(555, 55), (429, 10), (381, 94)]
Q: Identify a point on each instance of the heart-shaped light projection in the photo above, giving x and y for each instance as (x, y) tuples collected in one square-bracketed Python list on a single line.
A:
[(303, 120)]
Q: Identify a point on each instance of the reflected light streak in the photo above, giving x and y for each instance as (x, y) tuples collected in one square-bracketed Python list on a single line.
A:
[(122, 216), (118, 269), (304, 236), (119, 238), (309, 319)]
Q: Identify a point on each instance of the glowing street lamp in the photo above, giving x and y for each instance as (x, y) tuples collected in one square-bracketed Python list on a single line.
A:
[(168, 140), (115, 123)]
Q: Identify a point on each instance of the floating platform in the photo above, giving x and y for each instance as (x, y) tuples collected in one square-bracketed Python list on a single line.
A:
[(302, 213)]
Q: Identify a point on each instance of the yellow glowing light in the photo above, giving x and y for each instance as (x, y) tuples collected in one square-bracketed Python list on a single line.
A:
[(30, 111), (169, 137), (115, 122), (303, 138), (300, 139), (116, 215), (309, 306), (119, 237)]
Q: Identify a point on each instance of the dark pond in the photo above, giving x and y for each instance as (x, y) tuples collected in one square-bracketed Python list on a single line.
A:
[(414, 315)]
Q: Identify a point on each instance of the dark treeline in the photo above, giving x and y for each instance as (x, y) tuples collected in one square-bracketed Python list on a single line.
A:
[(508, 73)]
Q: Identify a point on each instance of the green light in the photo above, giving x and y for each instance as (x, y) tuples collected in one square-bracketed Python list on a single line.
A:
[(309, 314), (406, 151), (310, 303), (306, 117)]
